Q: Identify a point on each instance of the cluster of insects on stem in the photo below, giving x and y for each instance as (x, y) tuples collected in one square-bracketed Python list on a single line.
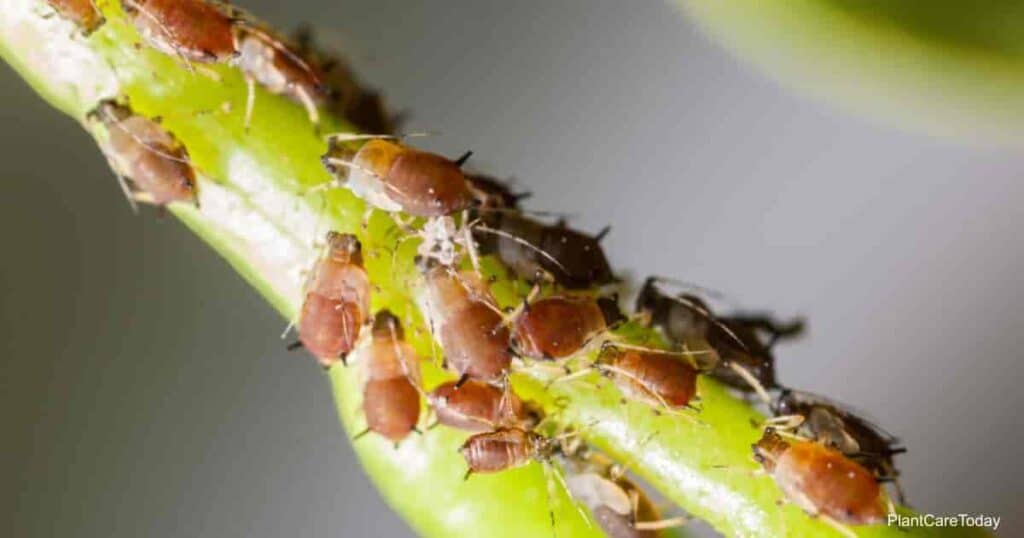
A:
[(825, 458)]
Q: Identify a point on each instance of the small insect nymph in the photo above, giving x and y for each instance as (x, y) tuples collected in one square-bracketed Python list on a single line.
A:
[(831, 424), (659, 379), (505, 448), (83, 13), (560, 326), (477, 406), (337, 302), (469, 325), (394, 177), (193, 30), (822, 481), (391, 396), (531, 248), (152, 166)]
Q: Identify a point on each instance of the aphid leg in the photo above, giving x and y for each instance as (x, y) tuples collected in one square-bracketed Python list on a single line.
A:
[(250, 101), (462, 381), (661, 524), (754, 383), (310, 106), (295, 345), (784, 422), (129, 195), (360, 435), (143, 198)]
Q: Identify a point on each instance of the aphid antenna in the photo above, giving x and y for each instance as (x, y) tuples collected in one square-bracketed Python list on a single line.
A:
[(706, 314), (687, 285), (754, 383), (122, 182), (501, 233), (661, 524), (342, 138), (117, 125), (168, 32), (684, 353)]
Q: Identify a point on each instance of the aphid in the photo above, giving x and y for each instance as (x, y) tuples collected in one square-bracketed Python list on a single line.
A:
[(194, 30), (210, 32), (660, 379), (477, 407), (471, 329), (822, 481), (531, 249), (744, 359), (152, 166), (394, 177), (83, 13), (620, 507), (337, 302), (505, 448), (834, 426), (559, 326), (391, 397)]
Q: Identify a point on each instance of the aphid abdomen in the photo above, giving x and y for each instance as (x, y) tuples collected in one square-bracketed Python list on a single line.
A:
[(476, 342), (498, 450), (196, 30), (392, 407), (657, 378), (390, 358), (427, 184), (474, 407), (557, 327), (329, 328), (829, 483), (83, 13), (581, 262)]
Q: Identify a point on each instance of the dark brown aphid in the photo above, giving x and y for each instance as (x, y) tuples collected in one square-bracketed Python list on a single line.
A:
[(476, 406), (560, 326), (822, 481), (337, 302), (194, 30), (532, 249), (472, 331), (742, 343), (657, 378), (391, 397), (83, 13), (393, 177), (836, 427), (152, 165)]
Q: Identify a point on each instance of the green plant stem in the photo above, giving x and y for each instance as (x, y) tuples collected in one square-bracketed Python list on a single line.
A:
[(256, 210)]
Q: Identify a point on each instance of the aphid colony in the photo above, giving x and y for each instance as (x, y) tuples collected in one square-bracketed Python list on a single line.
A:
[(825, 458)]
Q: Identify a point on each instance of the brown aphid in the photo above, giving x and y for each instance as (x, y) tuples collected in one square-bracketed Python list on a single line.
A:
[(835, 426), (505, 448), (742, 343), (151, 164), (822, 481), (492, 194), (394, 177), (194, 30), (476, 406), (657, 378), (83, 13), (337, 302), (532, 249), (472, 331), (391, 397), (559, 326)]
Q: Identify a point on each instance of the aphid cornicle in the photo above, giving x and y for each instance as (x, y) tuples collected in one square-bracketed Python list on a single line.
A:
[(822, 481), (532, 249), (836, 427), (659, 379), (743, 353), (151, 164), (476, 406), (391, 397), (394, 177), (337, 301), (559, 326), (83, 13), (463, 315)]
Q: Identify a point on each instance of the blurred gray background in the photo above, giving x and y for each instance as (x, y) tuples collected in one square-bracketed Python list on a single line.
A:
[(145, 391)]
